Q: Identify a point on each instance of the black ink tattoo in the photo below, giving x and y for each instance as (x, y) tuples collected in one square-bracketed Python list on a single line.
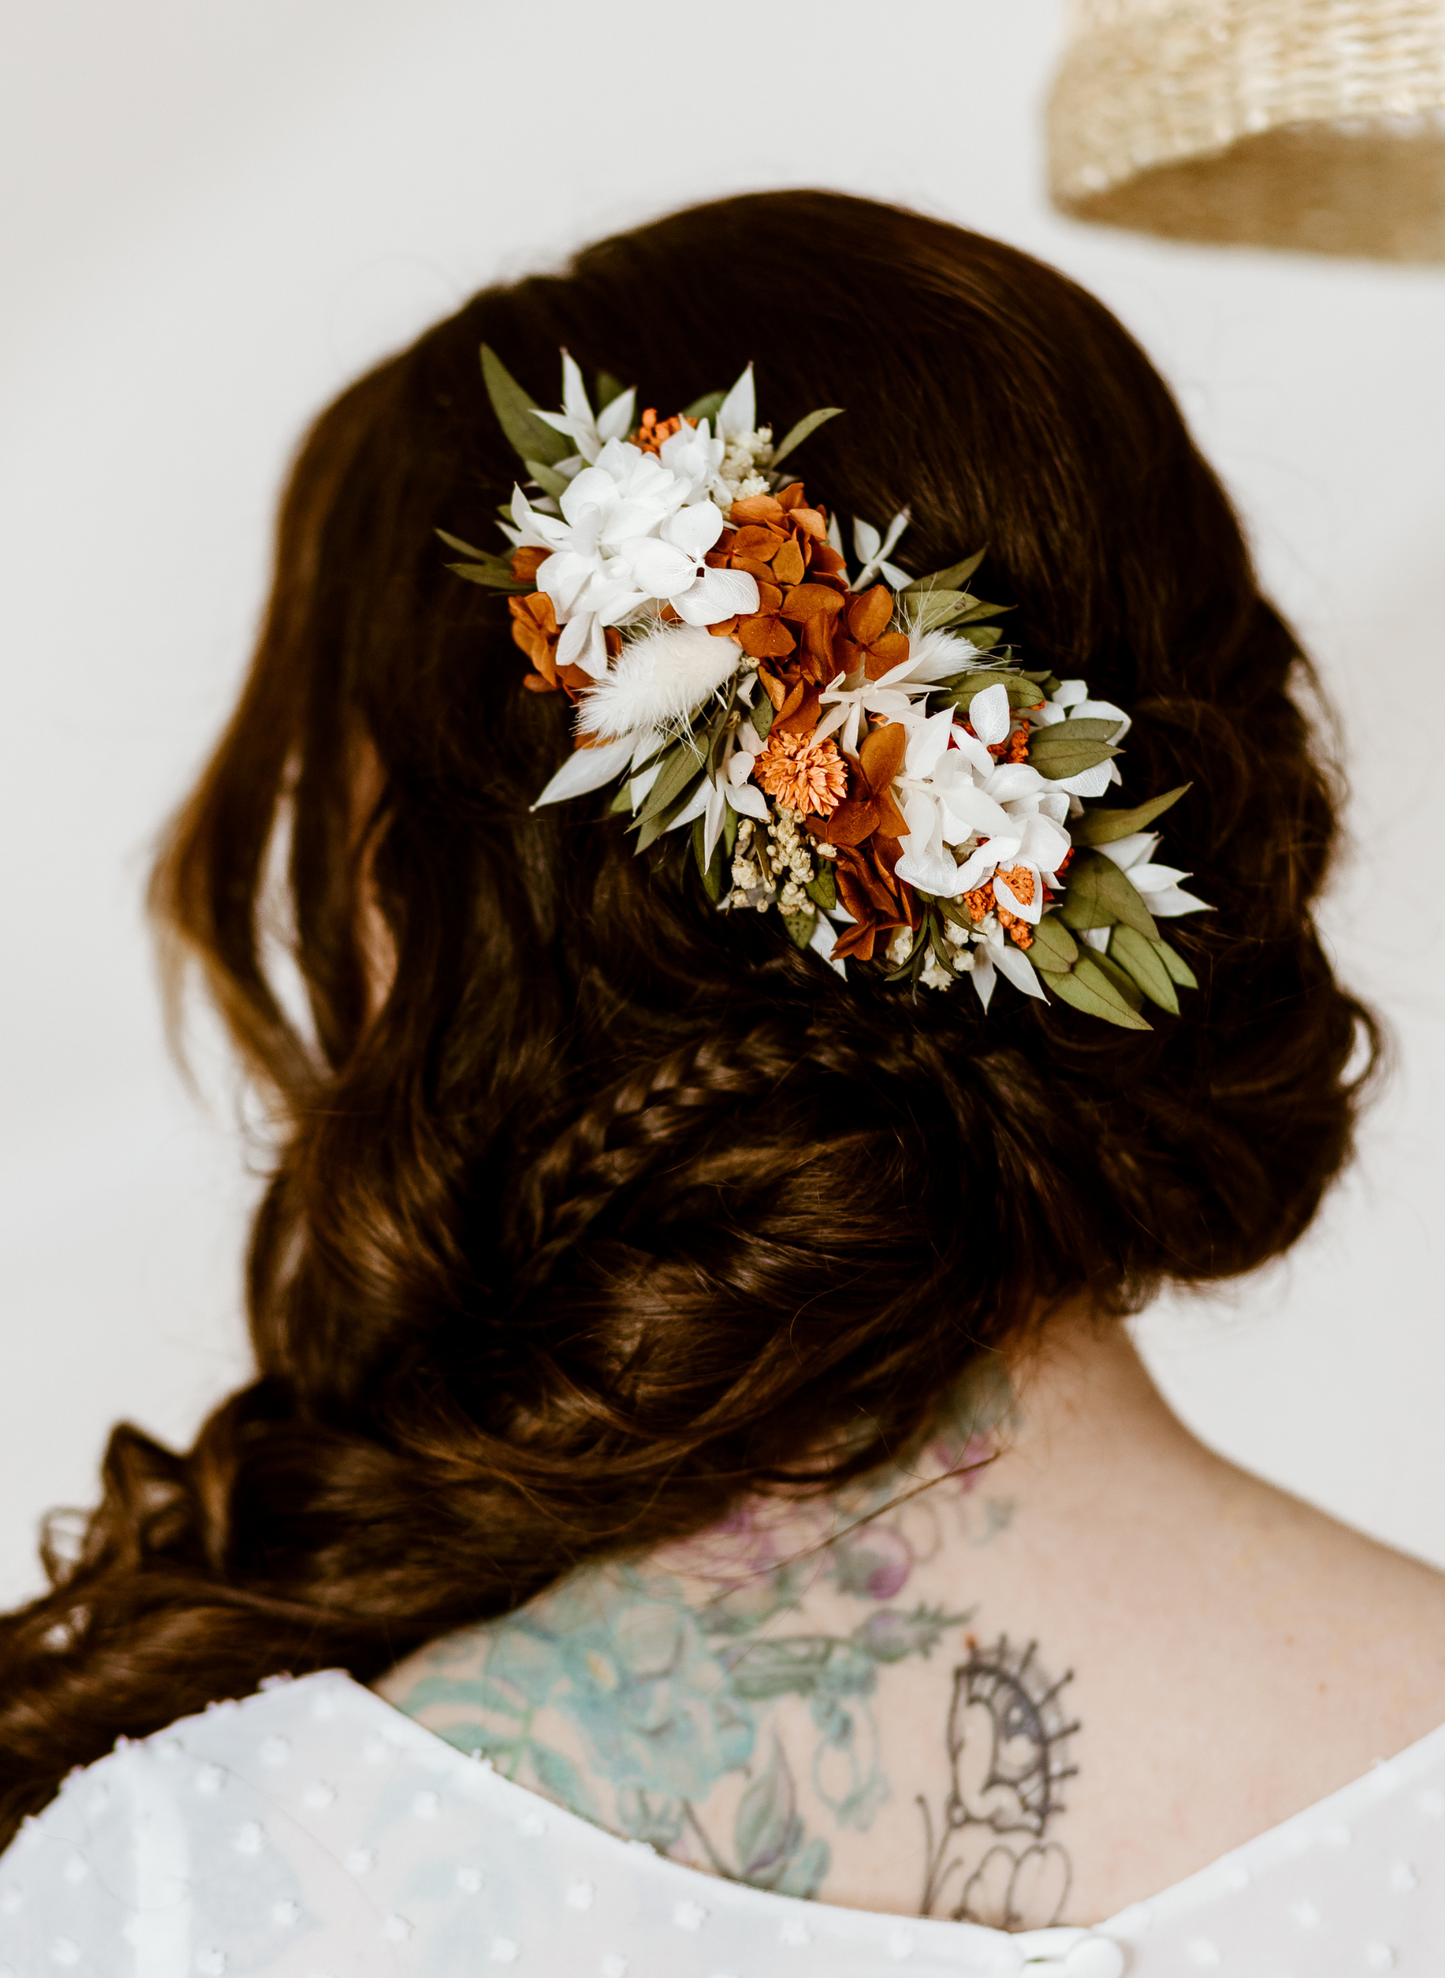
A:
[(1008, 1756)]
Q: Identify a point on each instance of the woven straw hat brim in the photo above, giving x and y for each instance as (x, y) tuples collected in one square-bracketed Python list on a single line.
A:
[(1313, 124)]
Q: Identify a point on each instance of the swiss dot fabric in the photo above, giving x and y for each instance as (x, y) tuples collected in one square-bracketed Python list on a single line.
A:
[(311, 1831)]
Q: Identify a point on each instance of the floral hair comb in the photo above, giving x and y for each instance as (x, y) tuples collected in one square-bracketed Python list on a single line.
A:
[(854, 748)]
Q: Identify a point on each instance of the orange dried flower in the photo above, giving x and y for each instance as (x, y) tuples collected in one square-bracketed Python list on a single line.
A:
[(872, 892), (806, 776), (652, 432), (783, 544), (867, 642), (981, 901), (536, 631)]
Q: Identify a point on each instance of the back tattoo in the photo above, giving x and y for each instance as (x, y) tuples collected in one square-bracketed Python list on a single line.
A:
[(1008, 1743)]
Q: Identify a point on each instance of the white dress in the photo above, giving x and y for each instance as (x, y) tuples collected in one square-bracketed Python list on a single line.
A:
[(312, 1831)]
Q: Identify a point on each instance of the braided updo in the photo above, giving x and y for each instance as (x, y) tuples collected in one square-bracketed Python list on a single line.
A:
[(594, 1208)]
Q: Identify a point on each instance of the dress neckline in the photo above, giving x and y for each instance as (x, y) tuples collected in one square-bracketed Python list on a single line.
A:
[(1230, 1870)]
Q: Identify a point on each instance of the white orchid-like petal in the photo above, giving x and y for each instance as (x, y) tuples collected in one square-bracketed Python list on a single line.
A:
[(738, 413), (1157, 885), (1088, 782), (532, 529), (1015, 964), (661, 569), (740, 762), (989, 715), (576, 421), (1042, 842), (927, 744), (1069, 693), (982, 863), (695, 807), (749, 800), (694, 529), (615, 420), (824, 938), (583, 643), (575, 402), (1174, 900), (1016, 782), (716, 595), (693, 456), (1005, 896), (874, 550), (1153, 878), (1134, 850), (981, 975), (640, 785), (929, 870), (586, 769), (1096, 937)]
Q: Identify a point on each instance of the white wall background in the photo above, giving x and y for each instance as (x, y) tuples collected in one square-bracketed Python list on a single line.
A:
[(211, 215)]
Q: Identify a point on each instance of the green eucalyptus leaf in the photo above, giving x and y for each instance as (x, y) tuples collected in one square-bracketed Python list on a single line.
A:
[(823, 888), (653, 827), (608, 388), (940, 947), (1104, 827), (516, 414), (761, 714), (715, 879), (1088, 728), (547, 478), (1179, 969), (975, 608), (912, 964), (621, 799), (985, 637), (952, 579), (489, 576), (707, 407), (731, 820), (1100, 895), (469, 549), (1088, 988), (1127, 987), (1141, 960), (932, 608), (1054, 946), (961, 687), (681, 767), (800, 927), (1057, 758), (795, 435)]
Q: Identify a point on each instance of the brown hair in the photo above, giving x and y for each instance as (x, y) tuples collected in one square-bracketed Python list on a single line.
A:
[(618, 1207)]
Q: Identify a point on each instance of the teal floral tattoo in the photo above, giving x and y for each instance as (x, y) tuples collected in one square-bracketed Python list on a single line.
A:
[(665, 1699), (630, 1692)]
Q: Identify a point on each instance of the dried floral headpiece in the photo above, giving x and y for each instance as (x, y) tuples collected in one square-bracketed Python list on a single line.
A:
[(860, 751)]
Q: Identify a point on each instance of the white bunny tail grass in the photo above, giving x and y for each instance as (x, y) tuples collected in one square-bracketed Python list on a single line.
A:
[(659, 680)]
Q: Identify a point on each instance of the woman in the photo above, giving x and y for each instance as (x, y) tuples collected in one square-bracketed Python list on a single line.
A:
[(692, 1408)]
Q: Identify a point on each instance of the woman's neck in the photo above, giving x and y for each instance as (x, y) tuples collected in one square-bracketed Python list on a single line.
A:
[(955, 1690)]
